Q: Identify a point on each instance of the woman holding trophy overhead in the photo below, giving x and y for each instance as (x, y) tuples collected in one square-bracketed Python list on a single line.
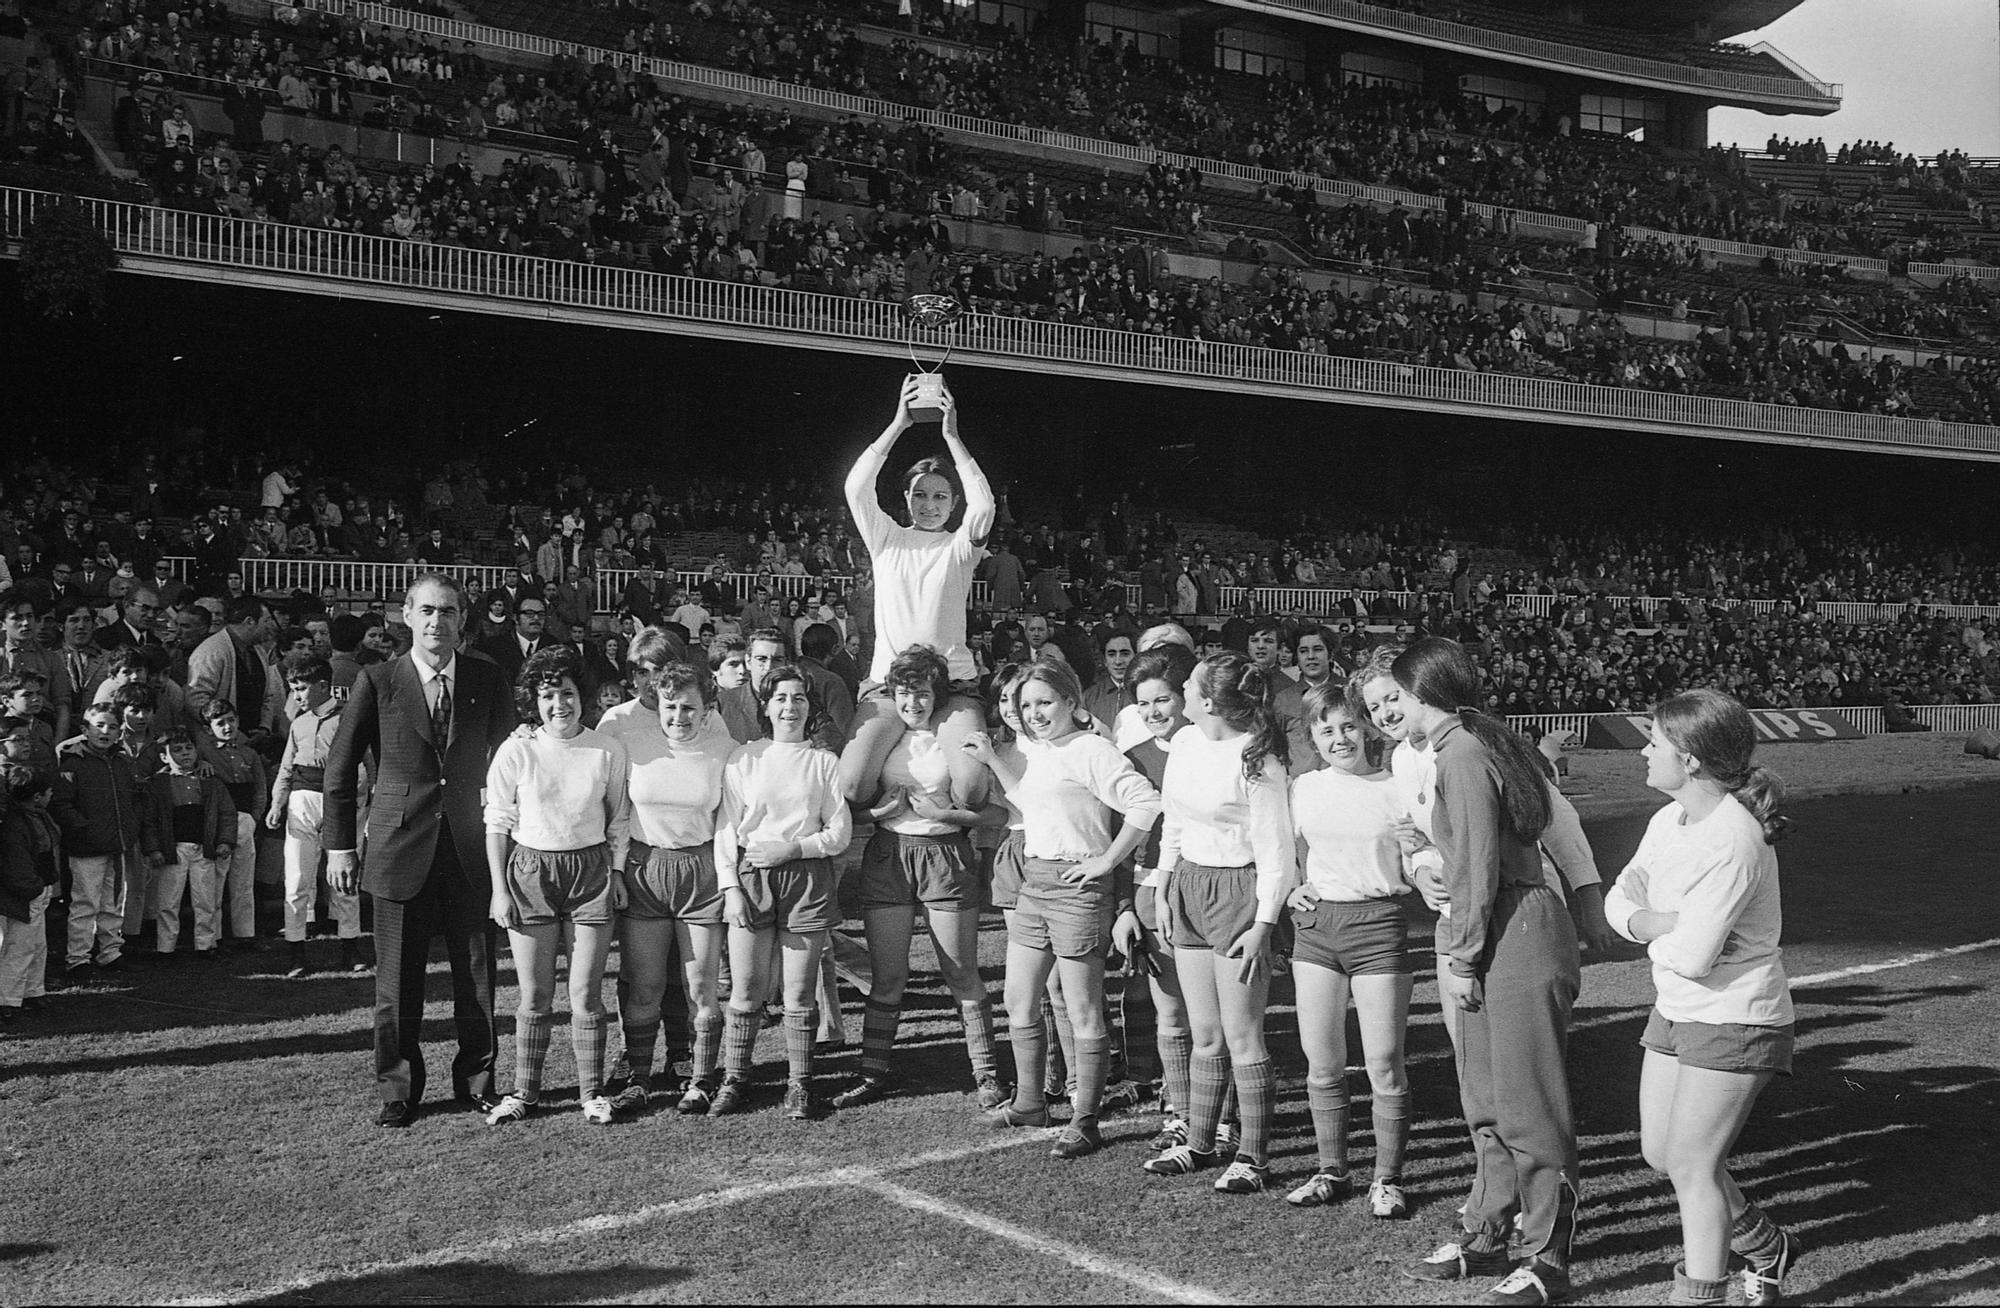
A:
[(923, 580)]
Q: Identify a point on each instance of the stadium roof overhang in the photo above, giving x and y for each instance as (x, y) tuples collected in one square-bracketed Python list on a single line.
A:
[(1773, 95)]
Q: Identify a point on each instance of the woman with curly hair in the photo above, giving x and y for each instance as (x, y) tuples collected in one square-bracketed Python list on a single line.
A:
[(920, 860), (555, 809)]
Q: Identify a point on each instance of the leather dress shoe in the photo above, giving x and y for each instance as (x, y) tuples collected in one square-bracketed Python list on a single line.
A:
[(396, 1113)]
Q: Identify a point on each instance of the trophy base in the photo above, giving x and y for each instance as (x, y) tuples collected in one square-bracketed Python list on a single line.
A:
[(927, 405)]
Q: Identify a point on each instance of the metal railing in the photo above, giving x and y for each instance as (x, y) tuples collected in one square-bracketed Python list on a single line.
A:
[(350, 258), (1348, 12), (1002, 133), (1946, 719)]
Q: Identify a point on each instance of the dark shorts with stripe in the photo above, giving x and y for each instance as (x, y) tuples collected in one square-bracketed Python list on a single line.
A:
[(572, 885), (900, 871), (1366, 937), (1068, 920), (1210, 906), (1003, 887), (1721, 1046), (673, 883), (795, 897)]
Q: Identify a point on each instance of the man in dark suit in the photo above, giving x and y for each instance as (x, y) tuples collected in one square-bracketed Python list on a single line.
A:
[(137, 626), (512, 649), (433, 719)]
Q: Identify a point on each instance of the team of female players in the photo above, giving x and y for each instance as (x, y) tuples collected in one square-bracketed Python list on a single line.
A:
[(1190, 849)]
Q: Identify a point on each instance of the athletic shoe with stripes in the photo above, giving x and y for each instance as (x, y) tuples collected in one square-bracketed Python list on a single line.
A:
[(511, 1109), (1180, 1160), (991, 1093), (1765, 1286), (1173, 1132), (1385, 1200), (597, 1111), (1119, 1097), (696, 1101), (1006, 1116), (1226, 1136), (1322, 1188), (1455, 1262), (1530, 1285), (1243, 1177), (867, 1090)]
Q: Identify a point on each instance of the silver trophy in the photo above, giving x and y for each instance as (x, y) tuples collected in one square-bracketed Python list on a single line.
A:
[(929, 313)]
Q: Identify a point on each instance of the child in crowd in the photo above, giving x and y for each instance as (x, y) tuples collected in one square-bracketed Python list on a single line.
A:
[(27, 882), (135, 704), (21, 698), (299, 805), (190, 836), (98, 804), (609, 696), (240, 769)]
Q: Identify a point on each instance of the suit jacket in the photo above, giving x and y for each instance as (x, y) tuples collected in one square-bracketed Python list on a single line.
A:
[(419, 781), (118, 636), (504, 648), (212, 675)]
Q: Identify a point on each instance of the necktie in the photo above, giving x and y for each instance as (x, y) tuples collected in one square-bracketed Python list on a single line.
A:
[(441, 714)]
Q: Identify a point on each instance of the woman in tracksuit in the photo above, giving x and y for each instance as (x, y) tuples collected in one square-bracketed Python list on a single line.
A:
[(1510, 966)]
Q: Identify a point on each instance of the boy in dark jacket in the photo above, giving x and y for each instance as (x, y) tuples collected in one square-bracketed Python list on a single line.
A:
[(100, 809), (241, 769), (27, 882), (190, 834)]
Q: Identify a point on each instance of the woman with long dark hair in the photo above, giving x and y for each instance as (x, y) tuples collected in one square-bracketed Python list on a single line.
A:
[(1227, 863), (1509, 964)]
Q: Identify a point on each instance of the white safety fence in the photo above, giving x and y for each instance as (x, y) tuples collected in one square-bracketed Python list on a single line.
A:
[(1945, 719), (354, 259)]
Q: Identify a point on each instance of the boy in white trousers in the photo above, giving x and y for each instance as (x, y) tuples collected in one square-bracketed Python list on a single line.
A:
[(299, 804)]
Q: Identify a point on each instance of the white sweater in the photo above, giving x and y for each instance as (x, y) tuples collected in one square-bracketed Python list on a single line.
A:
[(1073, 793), (675, 790), (923, 579), (773, 791), (1721, 962), (553, 794), (916, 765), (1346, 825), (1218, 817)]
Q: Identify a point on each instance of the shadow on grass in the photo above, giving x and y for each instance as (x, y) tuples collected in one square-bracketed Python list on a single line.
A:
[(478, 1282), (10, 1253)]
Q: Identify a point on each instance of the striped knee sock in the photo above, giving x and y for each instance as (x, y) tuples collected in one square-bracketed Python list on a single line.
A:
[(641, 1038), (586, 1041), (707, 1046), (1328, 1104), (1030, 1040), (1230, 1107), (531, 1050), (801, 1028), (1391, 1116), (1257, 1091), (1060, 1079), (739, 1042), (1141, 1024), (978, 1019), (878, 1035), (1208, 1082), (1176, 1048), (1093, 1062), (1756, 1237)]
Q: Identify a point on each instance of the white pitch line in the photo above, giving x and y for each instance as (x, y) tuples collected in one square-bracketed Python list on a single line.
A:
[(1908, 960), (605, 1222), (1139, 1278)]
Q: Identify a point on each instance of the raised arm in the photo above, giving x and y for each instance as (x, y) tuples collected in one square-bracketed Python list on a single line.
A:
[(861, 501), (980, 506)]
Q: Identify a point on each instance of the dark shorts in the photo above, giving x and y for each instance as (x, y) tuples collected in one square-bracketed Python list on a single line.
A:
[(1070, 921), (673, 883), (1721, 1046), (900, 871), (571, 885), (1368, 937), (795, 897), (1003, 887), (1210, 906)]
